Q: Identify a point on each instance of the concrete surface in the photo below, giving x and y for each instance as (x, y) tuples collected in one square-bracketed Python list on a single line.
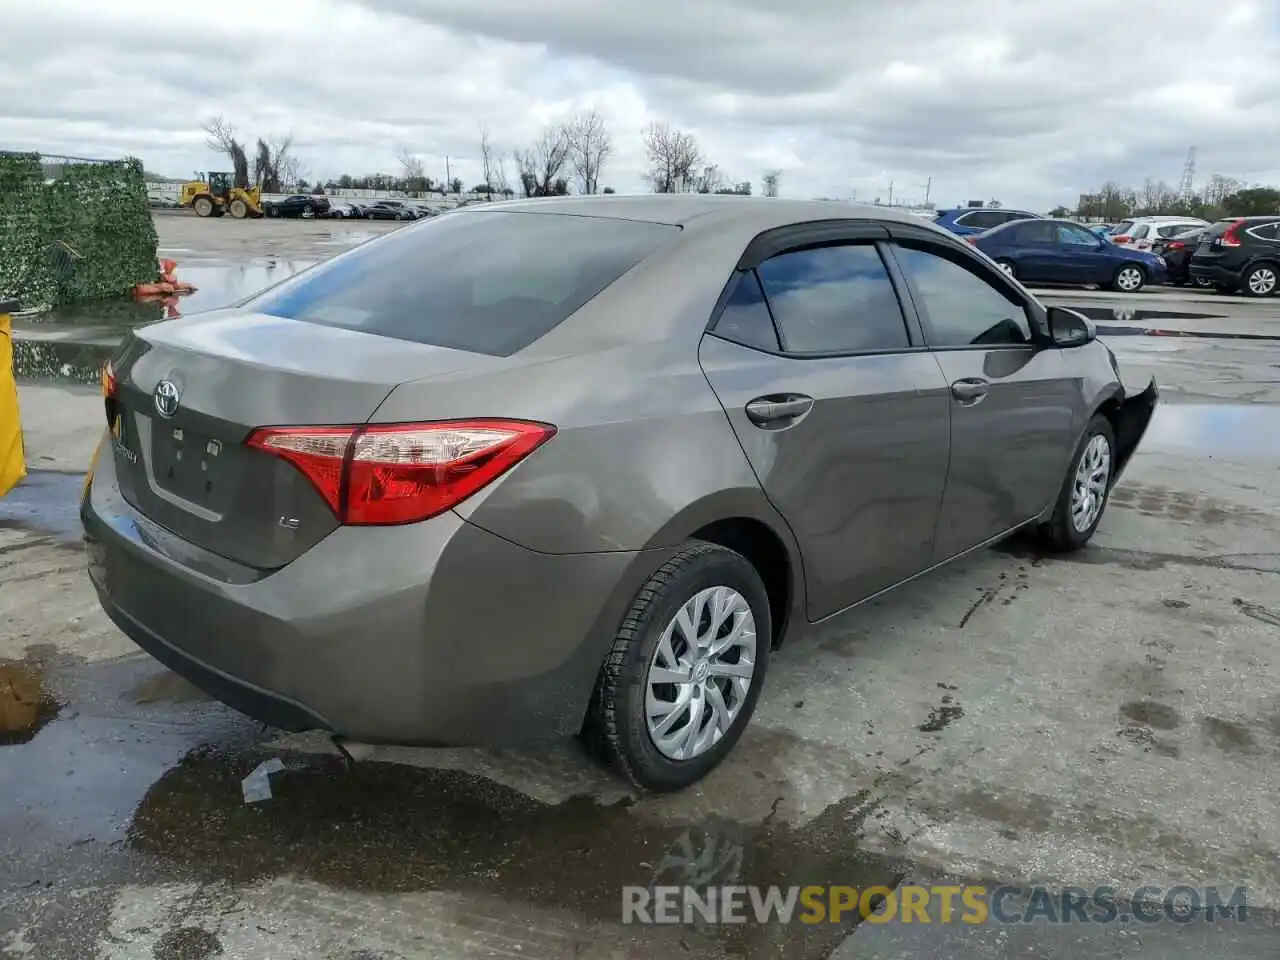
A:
[(1112, 718)]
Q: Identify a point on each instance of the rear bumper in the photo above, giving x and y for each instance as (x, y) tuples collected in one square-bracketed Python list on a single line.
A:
[(437, 633), (1214, 273)]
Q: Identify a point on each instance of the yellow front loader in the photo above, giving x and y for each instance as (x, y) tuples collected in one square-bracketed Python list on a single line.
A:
[(214, 195)]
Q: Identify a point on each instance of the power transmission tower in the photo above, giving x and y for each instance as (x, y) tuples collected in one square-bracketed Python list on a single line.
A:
[(1186, 190)]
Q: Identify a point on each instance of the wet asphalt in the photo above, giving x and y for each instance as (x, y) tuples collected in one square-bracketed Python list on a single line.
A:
[(116, 776)]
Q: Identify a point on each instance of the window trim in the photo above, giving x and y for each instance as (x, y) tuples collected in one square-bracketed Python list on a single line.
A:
[(960, 221), (910, 237), (857, 236), (722, 304), (1272, 225)]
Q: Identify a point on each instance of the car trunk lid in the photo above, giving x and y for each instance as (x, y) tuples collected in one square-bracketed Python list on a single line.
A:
[(187, 394)]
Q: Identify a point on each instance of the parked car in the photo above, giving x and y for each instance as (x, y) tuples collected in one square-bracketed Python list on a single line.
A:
[(1240, 254), (298, 205), (1060, 251), (1177, 251), (969, 220), (339, 210), (388, 210), (1142, 232), (607, 454)]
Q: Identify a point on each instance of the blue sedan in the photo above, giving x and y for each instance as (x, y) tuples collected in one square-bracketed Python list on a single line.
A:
[(1059, 251)]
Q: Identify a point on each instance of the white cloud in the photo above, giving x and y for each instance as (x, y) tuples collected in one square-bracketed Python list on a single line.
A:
[(1030, 103)]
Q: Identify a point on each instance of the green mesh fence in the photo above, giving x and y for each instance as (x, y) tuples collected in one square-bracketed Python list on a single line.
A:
[(73, 230)]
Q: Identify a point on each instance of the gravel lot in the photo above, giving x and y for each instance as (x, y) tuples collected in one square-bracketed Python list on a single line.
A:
[(1108, 719)]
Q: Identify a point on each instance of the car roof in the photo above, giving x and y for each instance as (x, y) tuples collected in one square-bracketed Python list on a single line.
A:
[(679, 209)]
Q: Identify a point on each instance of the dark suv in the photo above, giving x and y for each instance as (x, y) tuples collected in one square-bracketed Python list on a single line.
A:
[(1240, 254), (968, 220)]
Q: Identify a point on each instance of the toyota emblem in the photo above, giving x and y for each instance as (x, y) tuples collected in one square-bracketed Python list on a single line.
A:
[(166, 397)]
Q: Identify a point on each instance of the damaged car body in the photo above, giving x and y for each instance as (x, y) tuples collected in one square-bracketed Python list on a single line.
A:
[(579, 465)]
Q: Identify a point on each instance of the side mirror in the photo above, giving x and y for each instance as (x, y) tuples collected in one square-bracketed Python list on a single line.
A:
[(1069, 328)]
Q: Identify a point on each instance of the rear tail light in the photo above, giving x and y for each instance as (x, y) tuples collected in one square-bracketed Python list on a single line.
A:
[(1120, 238), (404, 472), (972, 240), (109, 385), (1231, 238), (1175, 245)]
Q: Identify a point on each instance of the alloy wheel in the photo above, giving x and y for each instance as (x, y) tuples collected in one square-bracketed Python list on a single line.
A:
[(1089, 488), (1262, 282), (1129, 279), (700, 673)]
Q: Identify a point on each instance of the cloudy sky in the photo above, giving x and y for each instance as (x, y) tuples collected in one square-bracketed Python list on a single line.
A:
[(1030, 103)]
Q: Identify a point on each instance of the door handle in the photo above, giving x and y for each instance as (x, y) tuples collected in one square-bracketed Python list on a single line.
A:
[(969, 390), (778, 409)]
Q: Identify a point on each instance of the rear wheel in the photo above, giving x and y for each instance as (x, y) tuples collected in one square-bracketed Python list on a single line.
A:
[(685, 671), (1130, 278), (203, 206), (1007, 267), (239, 209), (1260, 281), (1084, 493)]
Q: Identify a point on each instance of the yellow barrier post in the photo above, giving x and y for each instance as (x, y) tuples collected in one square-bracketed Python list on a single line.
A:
[(13, 462)]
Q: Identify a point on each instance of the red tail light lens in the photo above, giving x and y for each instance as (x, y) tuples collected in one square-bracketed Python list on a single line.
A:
[(109, 385), (404, 472), (1231, 238), (1120, 238), (1176, 245)]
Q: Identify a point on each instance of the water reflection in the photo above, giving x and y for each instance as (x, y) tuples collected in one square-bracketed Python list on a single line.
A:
[(71, 343), (1227, 430)]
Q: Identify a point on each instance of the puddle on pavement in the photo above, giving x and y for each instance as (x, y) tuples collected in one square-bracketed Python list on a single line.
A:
[(1147, 323), (71, 343), (45, 501), (25, 705), (390, 828), (1226, 430)]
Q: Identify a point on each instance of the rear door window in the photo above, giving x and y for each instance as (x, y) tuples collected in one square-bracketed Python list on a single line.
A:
[(486, 282), (1139, 232), (836, 299), (1035, 231)]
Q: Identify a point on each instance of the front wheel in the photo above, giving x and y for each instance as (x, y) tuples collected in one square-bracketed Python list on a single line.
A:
[(239, 209), (203, 206), (1129, 279), (685, 670), (1084, 493), (1007, 268), (1260, 281)]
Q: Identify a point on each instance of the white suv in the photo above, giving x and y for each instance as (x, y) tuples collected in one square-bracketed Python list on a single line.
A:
[(1141, 232)]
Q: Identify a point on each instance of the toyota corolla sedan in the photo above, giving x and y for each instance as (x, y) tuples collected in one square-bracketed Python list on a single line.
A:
[(580, 465)]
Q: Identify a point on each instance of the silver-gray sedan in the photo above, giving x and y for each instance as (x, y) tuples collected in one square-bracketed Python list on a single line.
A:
[(579, 465)]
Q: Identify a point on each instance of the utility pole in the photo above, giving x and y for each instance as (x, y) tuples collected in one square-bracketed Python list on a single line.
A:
[(891, 193), (448, 177), (928, 187)]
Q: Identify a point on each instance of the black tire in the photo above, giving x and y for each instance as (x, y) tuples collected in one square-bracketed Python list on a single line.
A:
[(615, 724), (1258, 275), (1009, 267), (1128, 269), (203, 206), (1060, 533), (239, 209), (272, 211)]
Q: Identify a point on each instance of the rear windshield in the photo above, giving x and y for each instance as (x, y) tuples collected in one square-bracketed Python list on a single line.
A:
[(1121, 227), (487, 282), (1219, 228)]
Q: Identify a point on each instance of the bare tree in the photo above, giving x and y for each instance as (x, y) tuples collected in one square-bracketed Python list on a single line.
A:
[(501, 183), (710, 180), (590, 146), (770, 181), (1218, 188), (413, 172), (222, 139), (541, 166), (673, 156), (486, 159)]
